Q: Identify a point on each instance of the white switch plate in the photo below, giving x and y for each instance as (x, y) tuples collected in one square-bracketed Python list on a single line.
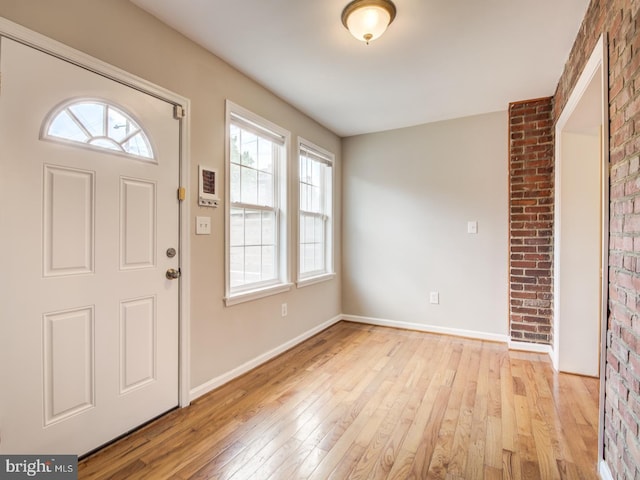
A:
[(203, 225), (472, 227), (284, 310), (434, 297)]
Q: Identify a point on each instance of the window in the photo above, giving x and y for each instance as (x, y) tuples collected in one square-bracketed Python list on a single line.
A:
[(256, 213), (100, 125), (315, 220)]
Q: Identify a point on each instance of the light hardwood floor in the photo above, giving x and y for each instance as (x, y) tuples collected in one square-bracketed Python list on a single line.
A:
[(366, 402)]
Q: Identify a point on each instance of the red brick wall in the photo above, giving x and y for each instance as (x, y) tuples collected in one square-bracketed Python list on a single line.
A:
[(531, 220), (620, 20)]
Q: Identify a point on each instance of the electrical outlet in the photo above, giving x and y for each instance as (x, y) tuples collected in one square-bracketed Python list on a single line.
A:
[(434, 297), (284, 310)]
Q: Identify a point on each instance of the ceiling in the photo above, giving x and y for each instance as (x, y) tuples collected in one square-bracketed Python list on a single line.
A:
[(439, 59)]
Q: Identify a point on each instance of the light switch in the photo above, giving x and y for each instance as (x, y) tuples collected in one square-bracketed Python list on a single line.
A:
[(434, 297), (203, 225), (472, 227)]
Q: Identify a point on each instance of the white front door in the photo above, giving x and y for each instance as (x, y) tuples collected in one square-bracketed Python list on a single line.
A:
[(88, 317)]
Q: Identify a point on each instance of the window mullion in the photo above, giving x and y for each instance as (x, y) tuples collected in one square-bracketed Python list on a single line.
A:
[(105, 122), (78, 122), (261, 248), (240, 135), (244, 245), (312, 214), (309, 190), (128, 137), (275, 165), (324, 181), (253, 206)]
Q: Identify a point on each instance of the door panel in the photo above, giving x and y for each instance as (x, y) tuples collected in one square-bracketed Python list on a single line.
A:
[(137, 223), (68, 363), (137, 343), (68, 209), (89, 322)]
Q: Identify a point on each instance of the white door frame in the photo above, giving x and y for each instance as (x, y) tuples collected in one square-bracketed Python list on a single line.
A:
[(40, 42), (596, 65)]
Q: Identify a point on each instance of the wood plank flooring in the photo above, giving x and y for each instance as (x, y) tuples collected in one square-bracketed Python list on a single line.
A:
[(366, 402)]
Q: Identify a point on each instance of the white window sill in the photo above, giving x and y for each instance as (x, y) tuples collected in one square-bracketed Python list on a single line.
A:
[(255, 294), (317, 279)]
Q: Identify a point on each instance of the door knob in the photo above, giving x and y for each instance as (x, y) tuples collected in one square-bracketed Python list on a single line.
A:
[(172, 274)]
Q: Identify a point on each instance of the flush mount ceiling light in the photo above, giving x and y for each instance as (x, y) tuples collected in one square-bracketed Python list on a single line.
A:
[(368, 19)]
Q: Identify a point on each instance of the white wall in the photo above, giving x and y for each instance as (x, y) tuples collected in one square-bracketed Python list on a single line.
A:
[(117, 32), (407, 197), (579, 253)]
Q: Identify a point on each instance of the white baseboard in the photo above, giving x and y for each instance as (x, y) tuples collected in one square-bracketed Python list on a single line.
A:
[(603, 470), (530, 347), (493, 337), (259, 360)]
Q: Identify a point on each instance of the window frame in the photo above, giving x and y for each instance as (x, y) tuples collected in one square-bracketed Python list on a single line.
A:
[(239, 116), (328, 201), (65, 108)]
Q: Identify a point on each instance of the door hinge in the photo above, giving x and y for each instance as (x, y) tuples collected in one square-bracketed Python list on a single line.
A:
[(182, 193), (179, 112)]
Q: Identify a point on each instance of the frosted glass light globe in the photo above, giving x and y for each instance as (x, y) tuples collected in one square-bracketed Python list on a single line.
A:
[(368, 23), (366, 20)]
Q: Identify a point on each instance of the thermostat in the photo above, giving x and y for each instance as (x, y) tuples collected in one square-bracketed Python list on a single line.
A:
[(207, 187)]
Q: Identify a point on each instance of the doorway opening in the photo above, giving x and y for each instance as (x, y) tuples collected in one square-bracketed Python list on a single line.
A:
[(581, 229)]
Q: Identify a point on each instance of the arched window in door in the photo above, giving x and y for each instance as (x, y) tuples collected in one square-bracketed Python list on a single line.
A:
[(98, 124)]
